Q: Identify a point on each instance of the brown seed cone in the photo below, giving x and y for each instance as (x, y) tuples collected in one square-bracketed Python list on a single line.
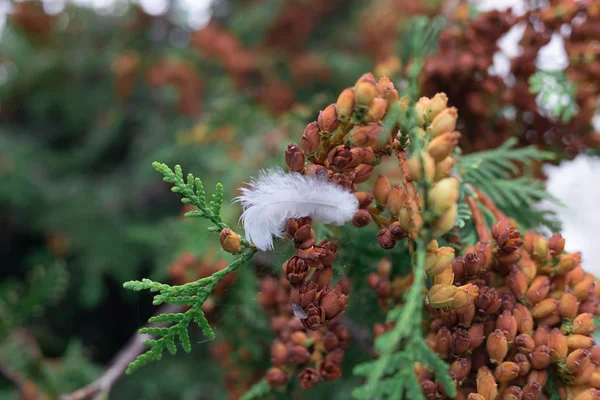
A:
[(294, 158), (525, 343), (583, 324), (557, 342), (328, 119), (298, 354), (381, 189), (576, 341), (497, 346), (295, 270), (361, 218), (568, 305), (230, 241), (329, 370), (334, 302), (309, 377), (311, 139), (345, 104), (538, 290), (385, 240), (524, 319), (576, 360), (532, 391), (507, 323), (540, 357), (512, 393), (486, 384), (460, 369), (275, 377), (506, 372), (523, 363)]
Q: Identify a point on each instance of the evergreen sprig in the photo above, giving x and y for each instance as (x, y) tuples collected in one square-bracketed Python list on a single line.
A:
[(19, 301), (392, 376), (258, 391), (556, 93), (192, 294), (496, 173)]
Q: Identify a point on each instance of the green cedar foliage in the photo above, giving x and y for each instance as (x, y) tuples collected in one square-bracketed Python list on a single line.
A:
[(193, 294), (504, 175), (43, 287), (391, 375), (556, 93)]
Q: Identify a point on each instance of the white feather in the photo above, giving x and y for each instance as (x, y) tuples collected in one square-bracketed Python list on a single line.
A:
[(275, 196)]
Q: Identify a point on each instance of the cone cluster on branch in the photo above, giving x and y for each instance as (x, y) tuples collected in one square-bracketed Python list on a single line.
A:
[(304, 309), (345, 143), (404, 216), (508, 316), (482, 95)]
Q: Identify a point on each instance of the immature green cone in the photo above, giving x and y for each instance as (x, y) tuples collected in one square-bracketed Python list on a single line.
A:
[(365, 90), (376, 110), (438, 103), (415, 167), (446, 222), (444, 122), (443, 195), (421, 110), (441, 296), (436, 263), (443, 145), (345, 104), (445, 277), (443, 168), (364, 135)]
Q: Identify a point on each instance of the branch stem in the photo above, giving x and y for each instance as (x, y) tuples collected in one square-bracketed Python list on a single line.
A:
[(480, 227), (100, 388)]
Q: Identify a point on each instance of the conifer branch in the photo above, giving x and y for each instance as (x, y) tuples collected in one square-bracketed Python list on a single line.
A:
[(192, 294), (498, 175), (556, 93), (480, 227), (13, 376), (391, 376)]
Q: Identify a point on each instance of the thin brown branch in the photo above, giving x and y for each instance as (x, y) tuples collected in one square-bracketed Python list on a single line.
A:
[(100, 388), (402, 163), (489, 204), (360, 334), (480, 227), (12, 375)]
